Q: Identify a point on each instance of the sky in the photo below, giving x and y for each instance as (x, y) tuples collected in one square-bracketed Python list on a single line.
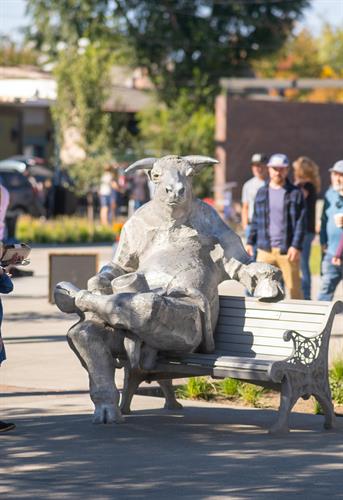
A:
[(12, 16)]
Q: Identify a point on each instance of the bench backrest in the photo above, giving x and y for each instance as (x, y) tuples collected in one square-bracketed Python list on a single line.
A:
[(248, 327)]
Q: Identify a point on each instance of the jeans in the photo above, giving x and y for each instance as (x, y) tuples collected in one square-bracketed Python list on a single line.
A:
[(331, 276), (305, 266)]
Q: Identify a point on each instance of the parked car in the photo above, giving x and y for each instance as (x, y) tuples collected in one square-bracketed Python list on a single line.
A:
[(23, 198), (54, 191)]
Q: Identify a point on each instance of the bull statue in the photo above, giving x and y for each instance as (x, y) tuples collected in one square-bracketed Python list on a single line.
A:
[(160, 292)]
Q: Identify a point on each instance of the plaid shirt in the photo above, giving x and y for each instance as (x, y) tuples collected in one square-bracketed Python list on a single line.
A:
[(294, 219)]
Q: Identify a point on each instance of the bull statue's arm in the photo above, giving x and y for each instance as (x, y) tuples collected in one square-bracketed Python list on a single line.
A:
[(260, 279), (125, 261)]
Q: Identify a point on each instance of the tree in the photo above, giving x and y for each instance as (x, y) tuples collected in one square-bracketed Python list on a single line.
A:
[(307, 56), (299, 56), (91, 134), (183, 128), (174, 38)]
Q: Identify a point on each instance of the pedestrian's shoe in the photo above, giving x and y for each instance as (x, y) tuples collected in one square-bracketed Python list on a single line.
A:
[(5, 426), (64, 295)]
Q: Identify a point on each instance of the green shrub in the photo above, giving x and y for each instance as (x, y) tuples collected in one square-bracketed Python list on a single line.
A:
[(317, 409), (229, 387), (197, 388), (65, 230), (315, 259), (250, 393), (336, 372)]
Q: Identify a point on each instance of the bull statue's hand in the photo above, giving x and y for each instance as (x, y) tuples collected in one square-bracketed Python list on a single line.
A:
[(100, 284), (262, 280)]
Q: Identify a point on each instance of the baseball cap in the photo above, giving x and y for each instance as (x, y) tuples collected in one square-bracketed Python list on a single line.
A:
[(259, 158), (338, 167), (278, 160)]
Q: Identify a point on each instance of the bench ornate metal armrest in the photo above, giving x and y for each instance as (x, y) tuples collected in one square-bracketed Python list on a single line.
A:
[(305, 373)]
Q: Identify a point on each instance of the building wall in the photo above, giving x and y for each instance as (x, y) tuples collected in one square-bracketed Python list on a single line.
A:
[(25, 130), (10, 124), (314, 130)]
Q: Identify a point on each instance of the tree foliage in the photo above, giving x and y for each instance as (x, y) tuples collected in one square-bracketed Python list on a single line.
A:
[(307, 56), (13, 54), (182, 128), (173, 38), (83, 84)]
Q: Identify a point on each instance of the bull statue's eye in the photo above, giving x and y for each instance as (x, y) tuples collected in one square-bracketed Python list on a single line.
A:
[(155, 176), (168, 189)]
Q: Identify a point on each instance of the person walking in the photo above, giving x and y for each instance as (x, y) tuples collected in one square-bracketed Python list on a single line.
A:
[(250, 188), (330, 233), (6, 286), (140, 190), (306, 176), (279, 223), (105, 195)]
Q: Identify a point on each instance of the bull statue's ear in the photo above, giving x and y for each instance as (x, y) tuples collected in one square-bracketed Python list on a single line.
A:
[(145, 164), (198, 163)]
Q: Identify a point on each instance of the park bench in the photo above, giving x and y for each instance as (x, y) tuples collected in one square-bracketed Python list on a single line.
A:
[(282, 345)]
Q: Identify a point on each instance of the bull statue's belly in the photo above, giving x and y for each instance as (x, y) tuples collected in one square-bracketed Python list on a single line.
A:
[(180, 268)]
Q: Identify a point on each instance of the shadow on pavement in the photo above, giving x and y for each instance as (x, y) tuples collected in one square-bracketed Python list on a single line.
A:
[(36, 316), (200, 452)]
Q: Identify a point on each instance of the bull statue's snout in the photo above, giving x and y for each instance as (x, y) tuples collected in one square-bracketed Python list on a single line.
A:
[(176, 193)]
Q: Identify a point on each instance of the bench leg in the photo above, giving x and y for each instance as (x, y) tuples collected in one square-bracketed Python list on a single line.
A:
[(171, 402), (288, 398), (324, 399)]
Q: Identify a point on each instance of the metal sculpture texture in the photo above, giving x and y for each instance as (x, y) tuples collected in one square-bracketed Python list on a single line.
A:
[(160, 292)]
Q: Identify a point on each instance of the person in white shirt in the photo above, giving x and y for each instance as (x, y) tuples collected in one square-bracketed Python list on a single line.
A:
[(105, 195), (250, 188)]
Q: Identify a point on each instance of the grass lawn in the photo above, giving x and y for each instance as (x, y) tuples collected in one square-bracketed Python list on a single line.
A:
[(315, 259)]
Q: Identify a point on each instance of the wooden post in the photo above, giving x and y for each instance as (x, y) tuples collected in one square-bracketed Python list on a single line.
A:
[(220, 176)]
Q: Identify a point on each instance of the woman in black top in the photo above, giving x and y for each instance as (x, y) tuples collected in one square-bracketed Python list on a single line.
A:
[(306, 176)]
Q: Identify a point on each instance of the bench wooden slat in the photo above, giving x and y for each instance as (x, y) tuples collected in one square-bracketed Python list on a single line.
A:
[(296, 306), (222, 360), (261, 323), (271, 315), (246, 338), (247, 350), (222, 331)]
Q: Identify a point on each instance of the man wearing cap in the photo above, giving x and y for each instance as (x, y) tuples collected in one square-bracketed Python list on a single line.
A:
[(330, 233), (279, 224), (250, 188)]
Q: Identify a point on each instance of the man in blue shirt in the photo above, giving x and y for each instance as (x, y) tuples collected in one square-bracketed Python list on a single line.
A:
[(278, 225), (330, 233)]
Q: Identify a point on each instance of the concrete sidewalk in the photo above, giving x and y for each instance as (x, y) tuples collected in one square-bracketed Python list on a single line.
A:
[(203, 451)]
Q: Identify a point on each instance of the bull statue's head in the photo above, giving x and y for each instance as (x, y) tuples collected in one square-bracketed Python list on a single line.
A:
[(173, 177)]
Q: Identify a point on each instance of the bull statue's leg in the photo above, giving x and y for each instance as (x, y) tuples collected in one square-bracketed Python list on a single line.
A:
[(96, 347), (169, 393), (163, 323)]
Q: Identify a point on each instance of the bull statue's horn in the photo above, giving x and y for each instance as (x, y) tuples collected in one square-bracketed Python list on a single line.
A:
[(198, 162), (144, 164)]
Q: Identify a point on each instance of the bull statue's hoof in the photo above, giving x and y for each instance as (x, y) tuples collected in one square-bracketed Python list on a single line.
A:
[(107, 414), (64, 295)]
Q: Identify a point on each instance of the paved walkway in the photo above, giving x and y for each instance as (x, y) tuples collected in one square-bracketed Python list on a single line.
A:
[(200, 452)]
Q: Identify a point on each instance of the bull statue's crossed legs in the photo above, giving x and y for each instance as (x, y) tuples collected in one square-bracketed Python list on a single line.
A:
[(98, 343)]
